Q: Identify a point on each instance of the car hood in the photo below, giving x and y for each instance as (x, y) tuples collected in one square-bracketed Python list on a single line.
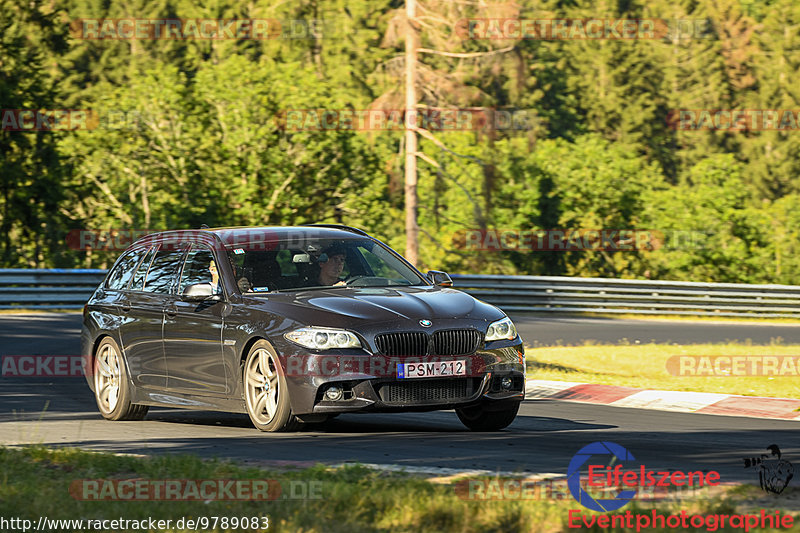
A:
[(377, 304)]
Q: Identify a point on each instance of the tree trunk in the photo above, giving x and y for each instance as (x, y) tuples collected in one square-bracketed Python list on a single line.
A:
[(412, 230)]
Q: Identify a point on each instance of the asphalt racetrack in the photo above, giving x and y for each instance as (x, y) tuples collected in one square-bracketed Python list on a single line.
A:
[(544, 437)]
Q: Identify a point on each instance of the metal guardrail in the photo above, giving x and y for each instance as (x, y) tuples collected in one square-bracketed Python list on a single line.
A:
[(556, 294), (70, 288), (55, 288)]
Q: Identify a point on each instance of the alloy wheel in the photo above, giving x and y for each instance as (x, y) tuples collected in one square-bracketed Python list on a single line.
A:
[(107, 378), (263, 386)]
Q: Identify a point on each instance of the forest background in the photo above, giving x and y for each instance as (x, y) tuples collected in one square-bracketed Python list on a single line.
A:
[(190, 132)]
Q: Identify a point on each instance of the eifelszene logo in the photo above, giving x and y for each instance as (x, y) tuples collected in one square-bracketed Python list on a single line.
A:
[(604, 478), (574, 476)]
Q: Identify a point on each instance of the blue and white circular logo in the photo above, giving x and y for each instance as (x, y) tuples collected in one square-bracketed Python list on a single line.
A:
[(425, 323), (574, 476)]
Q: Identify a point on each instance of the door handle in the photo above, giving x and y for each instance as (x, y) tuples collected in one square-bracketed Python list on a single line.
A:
[(125, 306), (170, 311)]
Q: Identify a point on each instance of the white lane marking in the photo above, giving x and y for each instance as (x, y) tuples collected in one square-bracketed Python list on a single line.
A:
[(686, 402), (539, 388)]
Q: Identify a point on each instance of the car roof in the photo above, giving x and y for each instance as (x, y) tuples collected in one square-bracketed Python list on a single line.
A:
[(232, 235), (326, 231)]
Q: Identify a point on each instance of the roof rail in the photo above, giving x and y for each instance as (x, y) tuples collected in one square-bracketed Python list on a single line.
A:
[(340, 226)]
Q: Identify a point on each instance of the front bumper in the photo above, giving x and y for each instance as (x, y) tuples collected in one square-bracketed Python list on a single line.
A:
[(371, 383), (422, 394)]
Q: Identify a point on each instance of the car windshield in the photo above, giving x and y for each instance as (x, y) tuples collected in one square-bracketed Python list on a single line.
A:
[(302, 264)]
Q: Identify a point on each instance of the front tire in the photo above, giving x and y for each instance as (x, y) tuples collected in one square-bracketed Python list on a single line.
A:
[(112, 391), (265, 392), (481, 418)]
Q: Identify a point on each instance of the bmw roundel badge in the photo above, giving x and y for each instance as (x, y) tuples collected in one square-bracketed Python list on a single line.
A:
[(425, 323)]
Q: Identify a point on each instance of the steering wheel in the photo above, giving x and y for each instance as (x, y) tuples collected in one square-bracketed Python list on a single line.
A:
[(351, 279)]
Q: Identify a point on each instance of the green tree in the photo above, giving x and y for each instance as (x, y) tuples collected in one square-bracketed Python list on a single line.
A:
[(30, 173), (712, 231)]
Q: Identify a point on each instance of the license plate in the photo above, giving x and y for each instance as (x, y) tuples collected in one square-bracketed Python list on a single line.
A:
[(429, 370)]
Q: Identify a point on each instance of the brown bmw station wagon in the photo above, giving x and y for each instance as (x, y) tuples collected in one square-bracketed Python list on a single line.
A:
[(293, 325)]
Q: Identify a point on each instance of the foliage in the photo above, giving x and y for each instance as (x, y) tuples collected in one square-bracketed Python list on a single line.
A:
[(189, 132)]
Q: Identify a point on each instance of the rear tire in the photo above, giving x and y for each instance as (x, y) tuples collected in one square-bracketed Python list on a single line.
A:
[(112, 390), (479, 418), (265, 392)]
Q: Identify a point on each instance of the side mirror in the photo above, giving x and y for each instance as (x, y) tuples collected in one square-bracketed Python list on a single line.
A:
[(198, 292), (439, 278)]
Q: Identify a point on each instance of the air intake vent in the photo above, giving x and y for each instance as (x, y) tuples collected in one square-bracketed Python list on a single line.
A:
[(427, 391)]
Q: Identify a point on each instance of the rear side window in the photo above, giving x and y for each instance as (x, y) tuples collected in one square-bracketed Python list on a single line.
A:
[(141, 272), (163, 271), (123, 272)]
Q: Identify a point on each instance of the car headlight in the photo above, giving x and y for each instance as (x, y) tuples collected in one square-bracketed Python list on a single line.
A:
[(502, 329), (323, 338)]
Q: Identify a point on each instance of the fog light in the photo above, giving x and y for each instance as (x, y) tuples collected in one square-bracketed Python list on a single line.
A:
[(333, 394), (506, 383)]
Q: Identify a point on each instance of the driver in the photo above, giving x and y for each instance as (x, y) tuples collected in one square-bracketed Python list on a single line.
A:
[(331, 263)]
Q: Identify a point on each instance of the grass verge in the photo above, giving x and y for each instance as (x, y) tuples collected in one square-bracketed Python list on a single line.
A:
[(645, 366), (35, 482), (747, 319), (751, 319)]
